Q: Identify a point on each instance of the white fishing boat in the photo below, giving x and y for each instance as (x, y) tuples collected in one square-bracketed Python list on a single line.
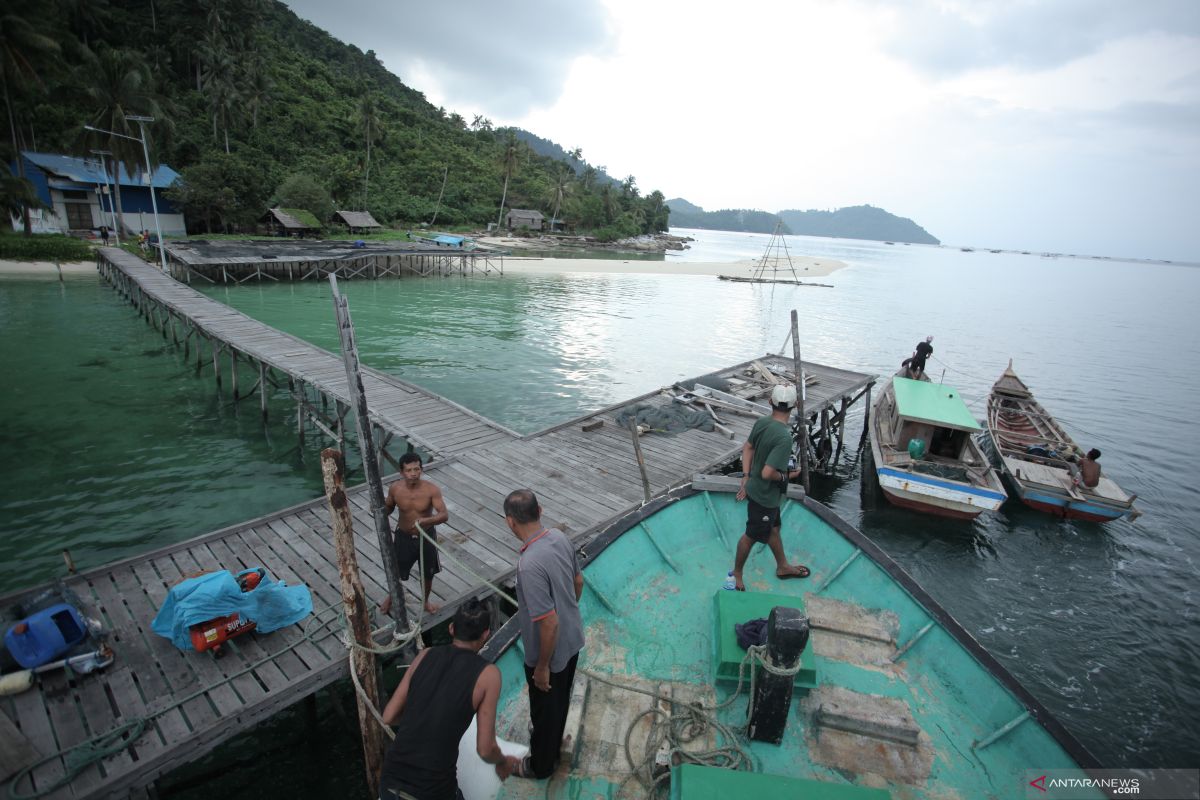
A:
[(926, 456)]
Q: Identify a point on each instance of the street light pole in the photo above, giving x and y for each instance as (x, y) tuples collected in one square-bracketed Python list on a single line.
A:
[(112, 209), (162, 246)]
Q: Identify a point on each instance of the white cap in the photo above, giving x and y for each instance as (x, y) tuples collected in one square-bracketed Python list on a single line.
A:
[(784, 395)]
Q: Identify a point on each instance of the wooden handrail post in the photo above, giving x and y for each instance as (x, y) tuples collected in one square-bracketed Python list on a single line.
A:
[(800, 400), (354, 600)]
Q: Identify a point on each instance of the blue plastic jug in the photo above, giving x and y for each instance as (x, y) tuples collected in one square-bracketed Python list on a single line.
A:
[(42, 637)]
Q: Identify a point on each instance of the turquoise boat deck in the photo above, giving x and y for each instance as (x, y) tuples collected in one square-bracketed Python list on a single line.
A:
[(904, 700)]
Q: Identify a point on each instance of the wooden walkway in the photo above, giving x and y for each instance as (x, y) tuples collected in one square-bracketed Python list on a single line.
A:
[(262, 356), (584, 474), (298, 260)]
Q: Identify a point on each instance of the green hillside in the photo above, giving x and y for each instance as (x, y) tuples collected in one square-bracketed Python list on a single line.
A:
[(857, 222), (854, 222), (247, 96), (687, 215)]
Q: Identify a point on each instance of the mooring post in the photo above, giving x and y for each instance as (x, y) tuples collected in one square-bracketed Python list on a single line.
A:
[(800, 401), (366, 448), (841, 432), (862, 441), (354, 600), (641, 462)]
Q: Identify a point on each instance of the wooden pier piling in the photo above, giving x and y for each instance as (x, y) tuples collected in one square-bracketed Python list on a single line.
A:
[(354, 601)]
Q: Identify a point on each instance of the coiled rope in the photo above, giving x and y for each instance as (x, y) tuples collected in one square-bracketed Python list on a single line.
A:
[(690, 722)]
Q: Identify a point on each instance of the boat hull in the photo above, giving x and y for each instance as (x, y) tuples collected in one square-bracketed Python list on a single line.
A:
[(1062, 505), (932, 496)]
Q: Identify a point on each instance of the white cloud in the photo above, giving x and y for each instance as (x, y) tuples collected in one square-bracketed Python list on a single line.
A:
[(1068, 125)]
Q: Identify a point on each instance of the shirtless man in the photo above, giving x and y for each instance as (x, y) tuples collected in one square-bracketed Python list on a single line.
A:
[(418, 501), (1089, 469)]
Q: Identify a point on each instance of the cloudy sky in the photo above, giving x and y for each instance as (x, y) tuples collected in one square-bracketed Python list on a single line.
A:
[(1064, 125)]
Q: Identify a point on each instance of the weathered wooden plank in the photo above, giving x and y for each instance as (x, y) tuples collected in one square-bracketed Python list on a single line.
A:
[(16, 751)]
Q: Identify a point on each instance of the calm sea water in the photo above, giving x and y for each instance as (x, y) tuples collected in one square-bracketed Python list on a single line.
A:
[(116, 445)]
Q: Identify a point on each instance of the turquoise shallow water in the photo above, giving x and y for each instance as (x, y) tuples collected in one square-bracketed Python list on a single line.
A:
[(116, 445)]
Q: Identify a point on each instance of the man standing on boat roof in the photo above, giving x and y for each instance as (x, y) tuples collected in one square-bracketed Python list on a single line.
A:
[(549, 585), (443, 689), (420, 503), (765, 475), (916, 364)]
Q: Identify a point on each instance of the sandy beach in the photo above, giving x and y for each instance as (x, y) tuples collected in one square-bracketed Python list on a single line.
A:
[(46, 269), (805, 267)]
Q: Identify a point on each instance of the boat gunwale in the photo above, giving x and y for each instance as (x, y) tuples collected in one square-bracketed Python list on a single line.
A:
[(593, 547)]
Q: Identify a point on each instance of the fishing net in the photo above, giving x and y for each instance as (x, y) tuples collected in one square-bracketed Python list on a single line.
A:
[(669, 419)]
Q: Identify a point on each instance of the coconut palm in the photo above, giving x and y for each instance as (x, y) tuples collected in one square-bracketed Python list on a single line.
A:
[(256, 89), (22, 50), (116, 83), (563, 182), (371, 127), (510, 159)]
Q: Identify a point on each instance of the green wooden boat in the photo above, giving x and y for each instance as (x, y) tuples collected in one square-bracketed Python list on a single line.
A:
[(893, 697)]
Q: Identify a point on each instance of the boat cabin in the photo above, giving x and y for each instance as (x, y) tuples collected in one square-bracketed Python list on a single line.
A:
[(933, 413)]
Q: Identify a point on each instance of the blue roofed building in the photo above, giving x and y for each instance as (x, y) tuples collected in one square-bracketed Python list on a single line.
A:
[(81, 197)]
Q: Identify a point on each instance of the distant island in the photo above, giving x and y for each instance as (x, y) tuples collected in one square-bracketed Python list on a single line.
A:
[(854, 222)]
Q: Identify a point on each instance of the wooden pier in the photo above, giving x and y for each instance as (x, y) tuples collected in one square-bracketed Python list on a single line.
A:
[(175, 706), (300, 260), (260, 359)]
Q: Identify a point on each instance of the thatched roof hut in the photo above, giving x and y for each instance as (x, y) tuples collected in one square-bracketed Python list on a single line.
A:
[(290, 222), (357, 220)]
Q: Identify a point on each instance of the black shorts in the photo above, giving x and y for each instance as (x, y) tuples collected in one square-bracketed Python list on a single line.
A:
[(408, 554), (760, 520)]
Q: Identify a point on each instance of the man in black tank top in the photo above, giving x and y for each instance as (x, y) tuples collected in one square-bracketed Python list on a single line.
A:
[(432, 708)]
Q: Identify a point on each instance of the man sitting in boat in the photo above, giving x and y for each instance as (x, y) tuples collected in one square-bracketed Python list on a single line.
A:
[(1087, 470), (765, 475)]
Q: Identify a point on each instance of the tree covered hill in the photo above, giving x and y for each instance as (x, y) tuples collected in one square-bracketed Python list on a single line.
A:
[(857, 222), (687, 215), (854, 222), (255, 106)]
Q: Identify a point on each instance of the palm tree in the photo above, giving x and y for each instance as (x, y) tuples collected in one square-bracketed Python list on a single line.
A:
[(256, 89), (22, 49), (562, 187), (218, 81), (116, 83), (369, 124), (512, 153)]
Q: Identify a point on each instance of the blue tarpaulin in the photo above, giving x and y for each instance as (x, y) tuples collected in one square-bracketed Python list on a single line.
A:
[(272, 605)]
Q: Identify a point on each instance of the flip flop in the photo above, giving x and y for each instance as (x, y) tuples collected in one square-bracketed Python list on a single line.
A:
[(803, 572)]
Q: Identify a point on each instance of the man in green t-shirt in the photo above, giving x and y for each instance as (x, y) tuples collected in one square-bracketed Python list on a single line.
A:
[(765, 474)]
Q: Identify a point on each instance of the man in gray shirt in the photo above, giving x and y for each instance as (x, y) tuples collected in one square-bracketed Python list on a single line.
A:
[(549, 585)]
